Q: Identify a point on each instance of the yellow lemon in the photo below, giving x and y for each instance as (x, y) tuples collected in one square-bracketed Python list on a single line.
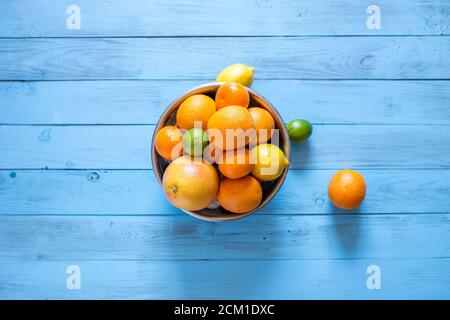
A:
[(237, 73), (269, 161)]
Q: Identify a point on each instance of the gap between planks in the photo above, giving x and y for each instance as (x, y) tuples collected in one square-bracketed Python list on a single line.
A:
[(234, 36)]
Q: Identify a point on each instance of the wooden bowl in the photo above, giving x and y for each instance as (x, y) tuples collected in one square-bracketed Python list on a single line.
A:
[(270, 188)]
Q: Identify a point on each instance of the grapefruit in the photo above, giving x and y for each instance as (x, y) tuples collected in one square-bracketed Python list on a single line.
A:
[(190, 184)]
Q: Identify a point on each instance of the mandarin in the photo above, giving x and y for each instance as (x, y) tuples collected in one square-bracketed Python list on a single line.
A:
[(240, 195), (168, 142), (231, 127), (196, 108), (264, 124), (232, 94), (347, 189), (235, 164)]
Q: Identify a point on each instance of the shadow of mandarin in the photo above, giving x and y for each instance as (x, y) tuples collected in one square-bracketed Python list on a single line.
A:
[(347, 227)]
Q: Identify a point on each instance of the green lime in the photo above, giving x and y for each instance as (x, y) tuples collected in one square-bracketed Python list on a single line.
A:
[(299, 130), (194, 141)]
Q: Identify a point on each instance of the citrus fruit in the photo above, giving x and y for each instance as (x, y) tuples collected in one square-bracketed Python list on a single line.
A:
[(231, 127), (232, 94), (197, 107), (264, 124), (235, 164), (240, 195), (269, 162), (190, 184), (168, 142), (347, 189), (212, 154), (194, 141), (237, 73), (299, 130)]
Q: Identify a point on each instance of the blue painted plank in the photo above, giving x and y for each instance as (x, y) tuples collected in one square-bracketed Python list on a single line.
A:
[(188, 18), (129, 192), (142, 102), (288, 279), (268, 237), (128, 147), (199, 58)]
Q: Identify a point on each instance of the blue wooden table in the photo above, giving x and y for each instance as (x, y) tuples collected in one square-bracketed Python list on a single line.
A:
[(82, 84)]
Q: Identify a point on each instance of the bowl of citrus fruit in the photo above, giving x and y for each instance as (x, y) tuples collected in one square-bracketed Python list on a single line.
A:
[(220, 151)]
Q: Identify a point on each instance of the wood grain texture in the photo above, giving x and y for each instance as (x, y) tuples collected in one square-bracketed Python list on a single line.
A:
[(142, 102), (129, 192), (289, 279), (379, 100), (347, 236), (128, 147), (199, 58), (187, 18)]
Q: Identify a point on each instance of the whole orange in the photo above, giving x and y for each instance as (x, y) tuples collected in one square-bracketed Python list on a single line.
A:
[(190, 184), (347, 189), (197, 107), (168, 142), (231, 127), (235, 164), (232, 94), (264, 124), (240, 195)]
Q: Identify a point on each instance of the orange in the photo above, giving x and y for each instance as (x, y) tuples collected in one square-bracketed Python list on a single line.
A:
[(195, 108), (231, 127), (190, 184), (240, 195), (236, 163), (347, 189), (212, 154), (232, 94), (168, 142), (264, 124)]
